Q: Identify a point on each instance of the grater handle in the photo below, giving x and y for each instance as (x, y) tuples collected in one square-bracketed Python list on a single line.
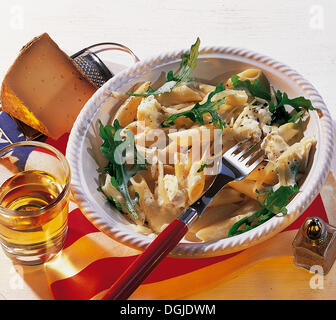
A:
[(110, 46), (93, 67)]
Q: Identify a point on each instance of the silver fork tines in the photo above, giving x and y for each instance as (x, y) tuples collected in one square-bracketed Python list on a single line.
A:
[(237, 163), (245, 149), (236, 147), (245, 155), (253, 157), (242, 150)]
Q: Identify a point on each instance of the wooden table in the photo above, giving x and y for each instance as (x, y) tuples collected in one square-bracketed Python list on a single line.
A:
[(297, 33)]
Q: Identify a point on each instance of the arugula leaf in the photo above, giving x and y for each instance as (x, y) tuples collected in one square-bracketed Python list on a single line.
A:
[(196, 113), (117, 204), (255, 89), (168, 86), (275, 202), (201, 168), (247, 221), (113, 150), (279, 113), (298, 103), (280, 116), (296, 116), (188, 64)]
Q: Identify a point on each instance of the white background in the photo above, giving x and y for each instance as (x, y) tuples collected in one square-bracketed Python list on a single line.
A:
[(298, 33)]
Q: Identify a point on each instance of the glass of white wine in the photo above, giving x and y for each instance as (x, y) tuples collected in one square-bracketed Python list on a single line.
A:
[(34, 201)]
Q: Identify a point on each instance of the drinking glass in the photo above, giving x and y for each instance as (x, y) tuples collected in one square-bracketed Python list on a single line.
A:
[(34, 201)]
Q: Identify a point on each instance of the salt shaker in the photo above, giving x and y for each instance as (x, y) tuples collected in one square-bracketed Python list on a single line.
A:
[(315, 244)]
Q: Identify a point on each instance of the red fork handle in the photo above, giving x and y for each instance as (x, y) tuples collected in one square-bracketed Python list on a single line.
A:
[(145, 263)]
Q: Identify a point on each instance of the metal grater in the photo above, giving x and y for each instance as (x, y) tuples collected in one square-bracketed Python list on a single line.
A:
[(92, 66)]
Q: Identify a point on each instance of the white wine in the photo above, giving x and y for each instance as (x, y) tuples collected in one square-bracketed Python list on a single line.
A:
[(29, 190), (38, 220)]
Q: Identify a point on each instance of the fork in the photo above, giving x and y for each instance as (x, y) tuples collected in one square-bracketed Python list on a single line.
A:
[(236, 163)]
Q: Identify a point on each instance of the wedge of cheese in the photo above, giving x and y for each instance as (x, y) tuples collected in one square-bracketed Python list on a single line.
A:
[(44, 88)]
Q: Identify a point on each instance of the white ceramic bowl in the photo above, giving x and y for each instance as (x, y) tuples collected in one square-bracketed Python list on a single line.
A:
[(214, 64)]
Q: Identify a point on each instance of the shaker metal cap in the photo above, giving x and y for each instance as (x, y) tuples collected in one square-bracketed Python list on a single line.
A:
[(315, 229)]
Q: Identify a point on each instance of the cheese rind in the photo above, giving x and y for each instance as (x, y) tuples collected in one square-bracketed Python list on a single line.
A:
[(44, 88)]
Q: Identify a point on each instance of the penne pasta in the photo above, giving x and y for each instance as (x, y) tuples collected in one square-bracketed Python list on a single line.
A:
[(227, 196), (195, 181), (220, 229), (180, 94), (182, 133), (251, 75), (246, 187), (128, 110)]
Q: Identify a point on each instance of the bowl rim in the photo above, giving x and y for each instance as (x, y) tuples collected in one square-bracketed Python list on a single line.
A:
[(227, 245)]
